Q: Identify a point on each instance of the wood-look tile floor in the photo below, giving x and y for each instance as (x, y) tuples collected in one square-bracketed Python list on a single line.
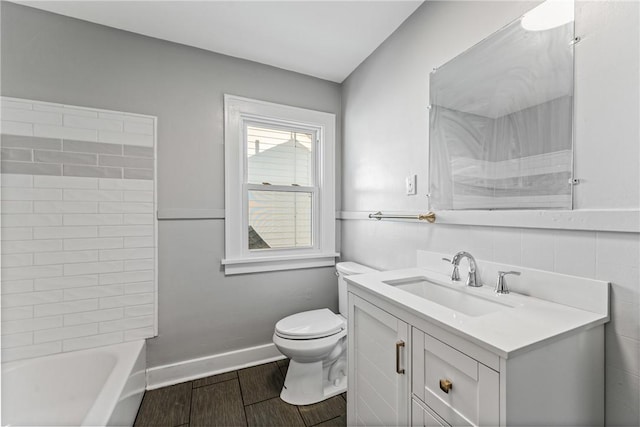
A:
[(247, 397)]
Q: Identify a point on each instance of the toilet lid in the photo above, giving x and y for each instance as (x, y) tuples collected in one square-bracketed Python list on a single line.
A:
[(310, 324)]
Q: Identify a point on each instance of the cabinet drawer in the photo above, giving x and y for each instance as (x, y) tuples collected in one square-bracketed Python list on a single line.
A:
[(424, 417), (459, 389)]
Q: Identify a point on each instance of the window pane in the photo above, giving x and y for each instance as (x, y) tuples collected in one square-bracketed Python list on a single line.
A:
[(279, 157), (279, 219)]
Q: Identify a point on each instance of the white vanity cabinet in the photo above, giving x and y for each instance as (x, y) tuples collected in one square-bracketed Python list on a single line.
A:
[(458, 388), (405, 370), (378, 354)]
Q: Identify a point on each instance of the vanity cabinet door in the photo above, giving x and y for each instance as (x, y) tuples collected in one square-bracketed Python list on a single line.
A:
[(459, 389), (378, 357)]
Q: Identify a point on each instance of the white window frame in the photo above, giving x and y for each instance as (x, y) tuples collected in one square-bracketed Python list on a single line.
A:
[(238, 258)]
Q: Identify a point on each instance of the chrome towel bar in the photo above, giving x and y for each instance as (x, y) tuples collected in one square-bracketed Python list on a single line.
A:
[(429, 216)]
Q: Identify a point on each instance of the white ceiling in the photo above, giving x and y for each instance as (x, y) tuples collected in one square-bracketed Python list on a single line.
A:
[(325, 39)]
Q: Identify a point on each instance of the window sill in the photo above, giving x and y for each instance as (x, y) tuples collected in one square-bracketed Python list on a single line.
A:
[(277, 263)]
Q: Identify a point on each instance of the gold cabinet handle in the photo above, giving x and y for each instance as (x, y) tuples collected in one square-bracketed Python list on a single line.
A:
[(399, 345), (446, 385)]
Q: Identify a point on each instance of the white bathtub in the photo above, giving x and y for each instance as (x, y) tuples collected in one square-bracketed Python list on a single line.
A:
[(96, 387)]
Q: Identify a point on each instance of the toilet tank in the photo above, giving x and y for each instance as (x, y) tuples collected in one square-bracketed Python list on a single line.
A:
[(347, 269)]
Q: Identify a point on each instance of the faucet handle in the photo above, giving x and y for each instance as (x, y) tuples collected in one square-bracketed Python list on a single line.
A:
[(455, 274), (501, 284)]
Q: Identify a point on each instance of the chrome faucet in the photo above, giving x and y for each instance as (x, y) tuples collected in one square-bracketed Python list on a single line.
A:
[(471, 278)]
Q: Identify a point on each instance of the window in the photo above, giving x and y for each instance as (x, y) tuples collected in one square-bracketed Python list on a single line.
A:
[(279, 187)]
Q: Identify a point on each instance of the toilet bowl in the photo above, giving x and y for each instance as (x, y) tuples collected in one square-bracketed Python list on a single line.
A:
[(316, 343)]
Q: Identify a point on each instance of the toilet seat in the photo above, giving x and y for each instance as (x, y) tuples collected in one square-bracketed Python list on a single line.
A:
[(308, 325)]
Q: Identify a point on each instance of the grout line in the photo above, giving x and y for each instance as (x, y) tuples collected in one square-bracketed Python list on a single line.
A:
[(190, 404), (193, 387)]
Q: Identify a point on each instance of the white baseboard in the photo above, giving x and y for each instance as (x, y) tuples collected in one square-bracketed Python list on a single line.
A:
[(174, 373)]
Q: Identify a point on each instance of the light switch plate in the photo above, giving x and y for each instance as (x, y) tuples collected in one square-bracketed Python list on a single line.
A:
[(410, 185)]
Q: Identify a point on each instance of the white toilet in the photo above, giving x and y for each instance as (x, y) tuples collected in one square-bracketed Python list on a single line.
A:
[(316, 343)]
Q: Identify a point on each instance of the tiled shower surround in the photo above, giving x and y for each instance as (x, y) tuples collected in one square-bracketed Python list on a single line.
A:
[(78, 228)]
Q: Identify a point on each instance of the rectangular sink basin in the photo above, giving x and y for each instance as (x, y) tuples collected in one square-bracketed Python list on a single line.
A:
[(454, 299)]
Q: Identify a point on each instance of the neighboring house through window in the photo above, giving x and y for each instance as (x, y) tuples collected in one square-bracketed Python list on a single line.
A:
[(279, 187)]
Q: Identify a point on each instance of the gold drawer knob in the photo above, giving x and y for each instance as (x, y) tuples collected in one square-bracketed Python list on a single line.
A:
[(446, 385)]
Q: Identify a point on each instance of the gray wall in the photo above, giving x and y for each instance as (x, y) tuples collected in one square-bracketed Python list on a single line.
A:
[(201, 312), (386, 137)]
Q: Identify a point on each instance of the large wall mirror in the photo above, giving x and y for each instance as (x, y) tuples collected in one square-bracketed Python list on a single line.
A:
[(501, 118)]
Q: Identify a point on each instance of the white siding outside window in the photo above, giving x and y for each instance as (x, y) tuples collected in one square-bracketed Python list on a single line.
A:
[(279, 187)]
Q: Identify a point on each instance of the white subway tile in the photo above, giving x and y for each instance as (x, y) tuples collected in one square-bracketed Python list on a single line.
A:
[(126, 300), (126, 277), (93, 292), (139, 310), (31, 220), (126, 323), (16, 103), (29, 351), (139, 264), (28, 246), (139, 242), (31, 272), (126, 116), (16, 233), (93, 268), (125, 230), (16, 180), (622, 395), (138, 334), (16, 128), (65, 282), (92, 219), (621, 352), (16, 206), (65, 207), (120, 207), (17, 340), (93, 123), (93, 316), (63, 232), (126, 184), (138, 288), (15, 313), (575, 253), (125, 138), (65, 307), (138, 219), (92, 341), (27, 325), (16, 260), (65, 332), (99, 243), (31, 298), (126, 254), (71, 182), (618, 248), (47, 258), (17, 286), (138, 127), (52, 131), (138, 196), (625, 317), (93, 195), (31, 116), (59, 108), (31, 194)]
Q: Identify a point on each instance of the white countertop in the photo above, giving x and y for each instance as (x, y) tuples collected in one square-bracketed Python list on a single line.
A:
[(527, 323)]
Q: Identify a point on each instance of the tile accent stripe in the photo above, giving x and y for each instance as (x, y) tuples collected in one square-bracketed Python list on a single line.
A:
[(78, 228), (34, 155)]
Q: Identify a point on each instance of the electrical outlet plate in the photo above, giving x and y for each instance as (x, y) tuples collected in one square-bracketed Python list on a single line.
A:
[(410, 185)]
